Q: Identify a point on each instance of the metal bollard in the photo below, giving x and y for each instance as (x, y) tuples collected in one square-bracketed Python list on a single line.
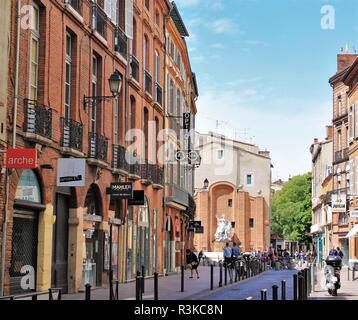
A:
[(143, 275), (59, 297), (305, 284), (225, 266), (138, 288), (263, 294), (156, 286), (220, 274), (88, 291), (283, 290), (182, 279), (117, 290), (295, 286), (308, 282), (300, 287), (50, 297), (274, 292), (211, 277)]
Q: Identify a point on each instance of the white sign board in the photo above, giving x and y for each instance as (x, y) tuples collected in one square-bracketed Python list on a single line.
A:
[(71, 172), (354, 213), (339, 203)]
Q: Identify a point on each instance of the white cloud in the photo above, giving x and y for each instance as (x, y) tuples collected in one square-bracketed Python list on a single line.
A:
[(224, 26)]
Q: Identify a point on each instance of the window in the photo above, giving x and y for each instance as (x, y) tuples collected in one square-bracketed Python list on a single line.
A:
[(251, 222), (133, 112), (351, 123), (134, 41), (145, 52), (339, 105), (229, 203), (339, 144), (116, 120), (249, 179), (34, 53), (95, 81), (111, 10), (156, 136), (347, 135), (220, 154), (156, 63), (146, 131), (68, 75)]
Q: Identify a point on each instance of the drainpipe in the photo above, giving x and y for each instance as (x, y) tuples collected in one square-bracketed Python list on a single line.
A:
[(4, 229)]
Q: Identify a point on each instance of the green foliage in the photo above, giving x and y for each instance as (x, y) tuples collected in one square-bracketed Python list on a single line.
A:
[(291, 209)]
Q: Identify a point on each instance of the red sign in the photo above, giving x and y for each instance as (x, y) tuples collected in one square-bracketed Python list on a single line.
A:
[(21, 159)]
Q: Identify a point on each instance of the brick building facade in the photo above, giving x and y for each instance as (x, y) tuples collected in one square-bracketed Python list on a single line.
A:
[(66, 55)]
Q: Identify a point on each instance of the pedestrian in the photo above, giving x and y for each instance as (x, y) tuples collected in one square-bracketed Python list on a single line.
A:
[(201, 255), (192, 263), (332, 252), (227, 254), (235, 251), (339, 253)]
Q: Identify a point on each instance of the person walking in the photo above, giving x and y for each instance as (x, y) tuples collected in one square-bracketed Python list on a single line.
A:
[(227, 254), (339, 253), (192, 263), (201, 255)]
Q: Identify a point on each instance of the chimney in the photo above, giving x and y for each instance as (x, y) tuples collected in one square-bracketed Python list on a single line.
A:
[(344, 60), (329, 131)]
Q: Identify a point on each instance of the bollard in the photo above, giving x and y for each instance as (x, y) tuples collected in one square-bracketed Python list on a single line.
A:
[(300, 287), (274, 292), (308, 282), (117, 290), (220, 274), (138, 287), (283, 290), (88, 291), (295, 286), (156, 286), (263, 294), (50, 297), (182, 279), (239, 275), (143, 275), (59, 297), (305, 284), (211, 277), (225, 266)]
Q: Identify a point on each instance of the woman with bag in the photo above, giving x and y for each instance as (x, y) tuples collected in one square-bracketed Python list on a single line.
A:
[(192, 262)]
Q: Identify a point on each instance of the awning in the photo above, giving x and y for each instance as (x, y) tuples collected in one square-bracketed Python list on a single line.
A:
[(353, 232)]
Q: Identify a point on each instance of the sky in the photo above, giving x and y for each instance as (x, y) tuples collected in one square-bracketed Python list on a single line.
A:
[(262, 68)]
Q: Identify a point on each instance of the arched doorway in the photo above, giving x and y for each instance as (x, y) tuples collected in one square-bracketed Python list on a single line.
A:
[(93, 238), (130, 241), (143, 237), (169, 245), (27, 206)]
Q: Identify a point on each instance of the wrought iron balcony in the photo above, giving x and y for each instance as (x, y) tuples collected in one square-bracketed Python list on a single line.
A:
[(146, 172), (345, 154), (120, 42), (178, 195), (148, 82), (119, 158), (158, 93), (134, 68), (338, 156), (75, 4), (38, 119), (98, 147), (134, 169), (157, 175), (99, 20), (72, 134)]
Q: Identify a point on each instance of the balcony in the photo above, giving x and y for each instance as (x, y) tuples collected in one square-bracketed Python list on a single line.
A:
[(179, 196), (157, 176), (146, 173), (345, 154), (134, 68), (158, 93), (72, 135), (148, 83), (75, 4), (38, 122), (338, 156), (120, 43), (98, 148), (119, 163), (99, 20), (134, 171)]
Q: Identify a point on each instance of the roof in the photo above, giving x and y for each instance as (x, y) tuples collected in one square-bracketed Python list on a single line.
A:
[(338, 76), (195, 85), (179, 23), (351, 72)]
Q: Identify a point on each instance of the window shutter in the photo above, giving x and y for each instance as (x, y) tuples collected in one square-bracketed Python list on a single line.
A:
[(129, 18)]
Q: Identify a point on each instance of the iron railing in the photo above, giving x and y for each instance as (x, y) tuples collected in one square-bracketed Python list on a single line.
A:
[(148, 82), (345, 154), (75, 4), (38, 119), (119, 158), (146, 171), (72, 134), (134, 169), (98, 146), (157, 174), (338, 156), (134, 68), (120, 42), (158, 93), (99, 20)]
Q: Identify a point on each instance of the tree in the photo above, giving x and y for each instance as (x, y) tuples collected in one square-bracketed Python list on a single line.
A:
[(291, 209)]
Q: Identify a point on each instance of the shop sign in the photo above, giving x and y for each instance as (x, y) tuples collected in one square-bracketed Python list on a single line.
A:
[(339, 203), (121, 190), (186, 121), (138, 198), (21, 159), (354, 213), (71, 172), (199, 229)]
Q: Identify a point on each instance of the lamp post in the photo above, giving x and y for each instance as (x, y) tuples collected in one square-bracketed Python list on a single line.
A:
[(115, 85)]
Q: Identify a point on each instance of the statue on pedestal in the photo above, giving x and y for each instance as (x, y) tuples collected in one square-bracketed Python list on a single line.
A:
[(223, 230)]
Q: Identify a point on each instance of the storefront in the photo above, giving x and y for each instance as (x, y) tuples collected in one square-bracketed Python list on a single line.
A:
[(24, 245), (144, 246)]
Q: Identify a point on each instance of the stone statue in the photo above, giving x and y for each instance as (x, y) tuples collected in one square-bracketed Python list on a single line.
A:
[(223, 230)]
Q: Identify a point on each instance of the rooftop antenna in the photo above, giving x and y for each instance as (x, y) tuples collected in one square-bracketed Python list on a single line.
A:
[(354, 49), (341, 50), (347, 49)]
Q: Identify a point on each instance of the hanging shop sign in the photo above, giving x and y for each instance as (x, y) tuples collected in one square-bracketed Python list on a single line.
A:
[(138, 198), (186, 121), (339, 203), (121, 190), (71, 172), (21, 159), (199, 229)]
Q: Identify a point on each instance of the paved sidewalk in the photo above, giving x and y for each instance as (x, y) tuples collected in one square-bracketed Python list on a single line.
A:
[(348, 290)]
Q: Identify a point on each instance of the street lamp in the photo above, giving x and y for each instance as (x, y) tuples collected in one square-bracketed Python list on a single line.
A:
[(115, 85), (206, 183)]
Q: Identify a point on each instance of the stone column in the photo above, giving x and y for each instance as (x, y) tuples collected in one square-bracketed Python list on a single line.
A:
[(76, 243), (44, 248)]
